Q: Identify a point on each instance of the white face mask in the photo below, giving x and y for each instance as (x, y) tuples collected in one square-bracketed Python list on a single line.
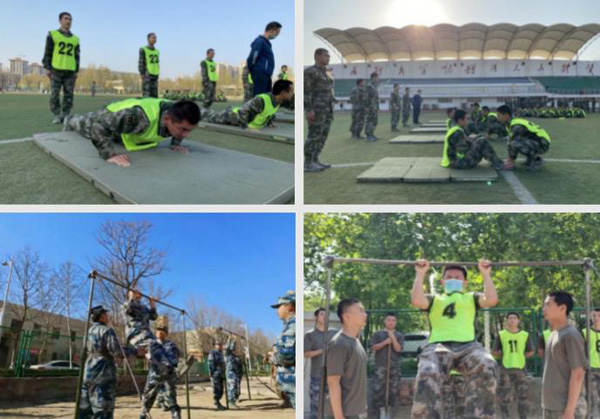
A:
[(453, 285)]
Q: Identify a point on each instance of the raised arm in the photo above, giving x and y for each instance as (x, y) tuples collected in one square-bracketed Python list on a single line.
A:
[(490, 297), (417, 296)]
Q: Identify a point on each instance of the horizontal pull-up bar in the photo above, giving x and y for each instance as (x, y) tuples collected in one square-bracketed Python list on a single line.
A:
[(330, 260), (96, 274), (222, 329)]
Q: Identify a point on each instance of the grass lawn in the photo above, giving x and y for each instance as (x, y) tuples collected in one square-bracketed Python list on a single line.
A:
[(556, 183), (30, 176)]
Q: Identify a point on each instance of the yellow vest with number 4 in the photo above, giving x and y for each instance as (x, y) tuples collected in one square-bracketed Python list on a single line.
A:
[(531, 127), (63, 55), (211, 69), (594, 348), (152, 61), (452, 318), (268, 111), (148, 138), (445, 159), (513, 348)]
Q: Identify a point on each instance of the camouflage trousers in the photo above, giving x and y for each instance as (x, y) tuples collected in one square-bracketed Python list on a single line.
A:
[(473, 362), (248, 90), (370, 121), (97, 126), (395, 114), (225, 117), (358, 121), (166, 389), (472, 128), (286, 382), (234, 382), (150, 86), (98, 400), (513, 384), (210, 90), (380, 384), (528, 147), (580, 410), (595, 393), (315, 389), (217, 385), (479, 149), (317, 135), (454, 397), (64, 80), (405, 116)]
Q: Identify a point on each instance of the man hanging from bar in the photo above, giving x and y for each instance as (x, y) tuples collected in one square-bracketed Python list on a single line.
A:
[(387, 345), (99, 387), (452, 343), (163, 382)]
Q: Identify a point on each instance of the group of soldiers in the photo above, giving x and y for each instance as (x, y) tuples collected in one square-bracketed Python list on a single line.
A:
[(550, 112), (456, 376)]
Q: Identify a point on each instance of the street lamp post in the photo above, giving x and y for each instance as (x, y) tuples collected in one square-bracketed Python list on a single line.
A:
[(5, 301)]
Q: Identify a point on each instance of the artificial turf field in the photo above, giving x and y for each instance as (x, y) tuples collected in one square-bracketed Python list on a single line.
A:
[(30, 176), (557, 182)]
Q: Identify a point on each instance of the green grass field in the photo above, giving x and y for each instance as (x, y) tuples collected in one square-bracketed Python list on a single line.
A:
[(556, 183), (30, 176)]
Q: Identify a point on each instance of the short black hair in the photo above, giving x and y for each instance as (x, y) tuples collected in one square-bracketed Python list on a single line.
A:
[(504, 109), (563, 298), (395, 84), (458, 267), (64, 14), (320, 51), (458, 115), (343, 306), (273, 25), (185, 110), (476, 104), (317, 311), (283, 66), (282, 86), (449, 111), (406, 88), (359, 81), (485, 108), (373, 74), (391, 314), (510, 313), (209, 50), (150, 34)]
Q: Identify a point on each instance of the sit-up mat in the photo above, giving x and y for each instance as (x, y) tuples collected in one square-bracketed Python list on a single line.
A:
[(417, 139), (429, 125), (284, 117), (283, 133), (423, 170), (207, 175), (429, 130)]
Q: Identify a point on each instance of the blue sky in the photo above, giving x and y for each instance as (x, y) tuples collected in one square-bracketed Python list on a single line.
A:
[(112, 32), (398, 13), (240, 262)]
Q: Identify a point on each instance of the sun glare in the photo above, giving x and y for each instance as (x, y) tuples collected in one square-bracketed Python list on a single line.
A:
[(423, 12)]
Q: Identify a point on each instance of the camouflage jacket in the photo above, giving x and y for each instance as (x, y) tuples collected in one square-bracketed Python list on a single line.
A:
[(395, 102), (318, 90), (233, 363), (406, 103), (137, 317), (103, 345), (458, 143), (215, 362), (285, 355), (245, 81), (172, 354), (357, 97), (371, 97)]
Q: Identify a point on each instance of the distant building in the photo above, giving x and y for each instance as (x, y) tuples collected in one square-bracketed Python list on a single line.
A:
[(19, 66), (37, 69)]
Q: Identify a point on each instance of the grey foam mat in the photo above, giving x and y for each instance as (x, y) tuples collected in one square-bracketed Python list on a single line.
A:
[(283, 133), (423, 170), (429, 130), (417, 139), (284, 117), (207, 175)]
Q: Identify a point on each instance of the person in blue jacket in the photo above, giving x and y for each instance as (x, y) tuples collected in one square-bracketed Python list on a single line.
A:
[(261, 61)]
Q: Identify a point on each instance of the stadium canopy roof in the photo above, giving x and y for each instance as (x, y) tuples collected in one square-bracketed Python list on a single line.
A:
[(450, 42)]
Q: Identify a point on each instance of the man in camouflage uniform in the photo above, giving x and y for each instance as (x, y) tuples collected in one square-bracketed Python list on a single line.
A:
[(395, 107), (105, 127), (99, 386), (453, 390), (406, 104), (248, 85), (209, 75), (233, 370), (246, 115), (357, 100), (163, 382), (148, 64), (371, 107), (491, 125), (525, 138), (61, 62), (512, 346), (452, 343), (474, 120), (284, 356), (318, 105), (216, 371), (462, 152), (283, 75), (387, 346)]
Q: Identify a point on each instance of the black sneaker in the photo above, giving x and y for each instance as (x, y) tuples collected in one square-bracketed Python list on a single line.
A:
[(536, 165), (371, 138), (313, 167), (323, 165)]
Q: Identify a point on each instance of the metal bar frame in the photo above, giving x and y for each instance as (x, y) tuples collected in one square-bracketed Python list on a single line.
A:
[(330, 261)]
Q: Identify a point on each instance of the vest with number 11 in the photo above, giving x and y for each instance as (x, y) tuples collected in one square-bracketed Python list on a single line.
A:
[(452, 318), (513, 348)]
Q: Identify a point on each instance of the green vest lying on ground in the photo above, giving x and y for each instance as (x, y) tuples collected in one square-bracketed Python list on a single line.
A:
[(211, 68), (149, 138), (531, 127), (63, 55), (452, 318), (262, 118), (594, 348), (152, 61), (513, 348), (445, 159)]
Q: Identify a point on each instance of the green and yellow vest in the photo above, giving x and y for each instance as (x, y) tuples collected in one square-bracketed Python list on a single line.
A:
[(152, 61), (211, 69), (531, 127), (445, 159), (452, 318), (63, 55), (262, 118), (594, 343), (513, 348), (283, 76), (149, 138)]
